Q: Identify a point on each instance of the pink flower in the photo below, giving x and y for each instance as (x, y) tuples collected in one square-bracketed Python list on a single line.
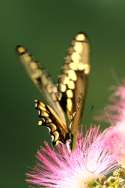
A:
[(114, 137), (60, 167)]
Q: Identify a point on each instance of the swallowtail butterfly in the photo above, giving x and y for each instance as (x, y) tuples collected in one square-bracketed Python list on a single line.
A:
[(65, 101)]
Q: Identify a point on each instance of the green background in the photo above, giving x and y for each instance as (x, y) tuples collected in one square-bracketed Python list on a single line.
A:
[(46, 27)]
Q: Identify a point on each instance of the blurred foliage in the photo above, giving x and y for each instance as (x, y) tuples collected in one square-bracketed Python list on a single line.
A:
[(46, 28)]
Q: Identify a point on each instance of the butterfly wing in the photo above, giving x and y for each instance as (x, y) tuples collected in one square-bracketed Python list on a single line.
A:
[(72, 87), (73, 80), (50, 119), (41, 79)]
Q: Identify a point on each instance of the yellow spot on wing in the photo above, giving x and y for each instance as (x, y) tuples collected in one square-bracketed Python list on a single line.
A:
[(71, 85), (72, 75), (75, 57), (53, 127), (78, 47), (56, 136), (62, 87), (65, 80), (69, 105), (80, 37), (33, 65), (40, 123), (69, 93), (21, 49), (27, 58)]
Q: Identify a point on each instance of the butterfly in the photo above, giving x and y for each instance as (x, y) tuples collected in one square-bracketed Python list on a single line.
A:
[(65, 100)]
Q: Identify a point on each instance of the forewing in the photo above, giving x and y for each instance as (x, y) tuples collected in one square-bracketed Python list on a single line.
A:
[(73, 80), (50, 119), (41, 79)]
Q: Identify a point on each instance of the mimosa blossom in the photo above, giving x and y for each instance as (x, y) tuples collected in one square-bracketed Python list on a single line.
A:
[(114, 136), (63, 168)]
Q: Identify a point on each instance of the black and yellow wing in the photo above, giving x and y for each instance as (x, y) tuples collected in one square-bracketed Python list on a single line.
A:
[(73, 81), (50, 119), (66, 100), (41, 79)]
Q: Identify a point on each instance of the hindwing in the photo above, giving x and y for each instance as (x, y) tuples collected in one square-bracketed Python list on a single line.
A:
[(50, 119)]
